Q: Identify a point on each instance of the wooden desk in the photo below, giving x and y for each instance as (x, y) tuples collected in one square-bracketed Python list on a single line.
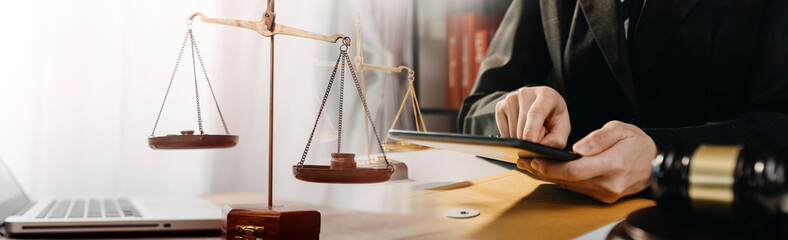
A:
[(427, 169), (337, 223), (512, 204)]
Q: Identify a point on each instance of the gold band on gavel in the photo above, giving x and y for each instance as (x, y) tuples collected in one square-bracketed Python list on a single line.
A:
[(711, 178)]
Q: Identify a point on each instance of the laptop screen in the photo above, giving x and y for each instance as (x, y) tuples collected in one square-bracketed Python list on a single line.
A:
[(11, 196)]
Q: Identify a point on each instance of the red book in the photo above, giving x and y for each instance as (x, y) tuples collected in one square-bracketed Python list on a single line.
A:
[(453, 61), (474, 43)]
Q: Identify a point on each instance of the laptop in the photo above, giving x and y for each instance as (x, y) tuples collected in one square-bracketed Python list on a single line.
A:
[(103, 215)]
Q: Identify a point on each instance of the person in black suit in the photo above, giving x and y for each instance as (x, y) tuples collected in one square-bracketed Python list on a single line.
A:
[(616, 79)]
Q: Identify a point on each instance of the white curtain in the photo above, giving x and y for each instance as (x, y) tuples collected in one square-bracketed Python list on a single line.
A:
[(81, 83)]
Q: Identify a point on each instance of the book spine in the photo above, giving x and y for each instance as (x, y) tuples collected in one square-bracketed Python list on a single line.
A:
[(474, 43)]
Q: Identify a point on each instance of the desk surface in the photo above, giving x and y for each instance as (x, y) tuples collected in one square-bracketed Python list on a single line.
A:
[(512, 204), (426, 169)]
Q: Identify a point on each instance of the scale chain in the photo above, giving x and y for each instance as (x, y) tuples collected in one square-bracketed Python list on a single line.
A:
[(167, 93), (319, 112), (195, 51), (343, 59), (205, 72), (196, 90), (341, 99), (366, 110)]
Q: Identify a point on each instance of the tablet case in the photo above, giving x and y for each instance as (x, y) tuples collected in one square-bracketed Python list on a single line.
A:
[(502, 149)]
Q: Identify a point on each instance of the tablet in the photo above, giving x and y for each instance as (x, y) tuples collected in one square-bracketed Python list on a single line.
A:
[(502, 149)]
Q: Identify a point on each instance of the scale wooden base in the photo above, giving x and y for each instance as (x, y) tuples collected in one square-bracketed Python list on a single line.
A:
[(259, 221)]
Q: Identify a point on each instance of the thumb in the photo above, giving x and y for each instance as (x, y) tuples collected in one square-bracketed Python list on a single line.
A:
[(601, 139)]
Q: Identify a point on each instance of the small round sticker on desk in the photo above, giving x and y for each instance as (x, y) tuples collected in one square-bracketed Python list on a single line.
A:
[(462, 213)]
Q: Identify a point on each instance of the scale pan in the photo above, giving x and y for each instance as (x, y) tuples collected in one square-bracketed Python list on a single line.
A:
[(400, 146), (193, 141), (324, 174)]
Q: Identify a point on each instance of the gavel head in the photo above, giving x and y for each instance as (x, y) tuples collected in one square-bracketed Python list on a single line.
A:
[(728, 181)]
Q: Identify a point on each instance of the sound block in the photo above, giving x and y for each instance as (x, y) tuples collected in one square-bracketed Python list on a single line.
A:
[(658, 223), (258, 221), (400, 168)]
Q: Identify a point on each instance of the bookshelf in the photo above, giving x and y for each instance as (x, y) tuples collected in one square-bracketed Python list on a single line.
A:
[(430, 55)]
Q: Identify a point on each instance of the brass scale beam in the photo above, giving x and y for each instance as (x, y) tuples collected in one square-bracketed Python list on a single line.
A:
[(268, 27)]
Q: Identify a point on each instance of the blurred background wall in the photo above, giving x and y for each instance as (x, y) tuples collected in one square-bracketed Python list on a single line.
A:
[(81, 83)]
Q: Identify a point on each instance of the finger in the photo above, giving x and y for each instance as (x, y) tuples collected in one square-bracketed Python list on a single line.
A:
[(542, 132), (601, 139), (559, 128), (525, 101), (512, 109), (524, 164), (571, 171), (535, 117), (500, 119)]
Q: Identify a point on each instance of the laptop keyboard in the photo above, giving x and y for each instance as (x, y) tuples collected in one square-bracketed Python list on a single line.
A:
[(92, 208)]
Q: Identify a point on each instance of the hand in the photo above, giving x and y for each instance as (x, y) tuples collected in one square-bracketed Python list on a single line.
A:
[(616, 163), (535, 114)]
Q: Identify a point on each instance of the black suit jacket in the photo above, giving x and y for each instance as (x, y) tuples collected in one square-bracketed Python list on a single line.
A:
[(693, 71)]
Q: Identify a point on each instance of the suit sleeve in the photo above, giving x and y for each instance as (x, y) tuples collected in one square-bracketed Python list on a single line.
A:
[(765, 123), (517, 57)]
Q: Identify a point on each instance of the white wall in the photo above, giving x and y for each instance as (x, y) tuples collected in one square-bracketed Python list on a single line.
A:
[(81, 83)]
